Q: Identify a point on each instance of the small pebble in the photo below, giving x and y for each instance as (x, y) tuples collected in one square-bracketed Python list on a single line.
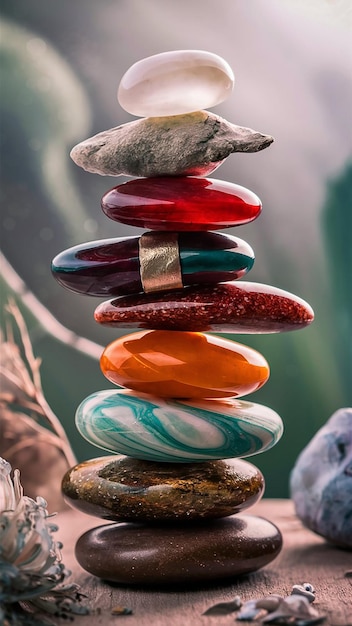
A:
[(306, 590), (224, 608), (294, 610), (175, 82), (121, 610)]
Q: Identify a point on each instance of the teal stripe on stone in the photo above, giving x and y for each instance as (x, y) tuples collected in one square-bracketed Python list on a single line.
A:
[(150, 428), (194, 261)]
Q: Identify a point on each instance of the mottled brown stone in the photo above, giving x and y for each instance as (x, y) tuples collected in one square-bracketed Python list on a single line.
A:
[(182, 553), (124, 489), (191, 144)]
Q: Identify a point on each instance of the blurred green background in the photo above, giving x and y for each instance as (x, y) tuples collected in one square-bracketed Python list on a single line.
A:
[(60, 67)]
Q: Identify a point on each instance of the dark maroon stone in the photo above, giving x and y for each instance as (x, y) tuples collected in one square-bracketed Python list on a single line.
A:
[(107, 267), (233, 307), (183, 553), (111, 267)]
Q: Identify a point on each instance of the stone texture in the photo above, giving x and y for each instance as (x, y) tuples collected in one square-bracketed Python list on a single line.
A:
[(126, 489), (112, 267), (181, 203), (176, 431), (190, 144), (232, 307), (173, 364), (321, 481), (186, 553), (175, 82), (82, 267)]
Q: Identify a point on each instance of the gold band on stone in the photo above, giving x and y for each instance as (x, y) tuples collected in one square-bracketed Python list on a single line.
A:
[(159, 258)]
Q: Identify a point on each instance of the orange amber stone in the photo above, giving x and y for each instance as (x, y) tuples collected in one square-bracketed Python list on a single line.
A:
[(174, 364)]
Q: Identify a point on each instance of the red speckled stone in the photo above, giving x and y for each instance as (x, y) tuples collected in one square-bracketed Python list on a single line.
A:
[(181, 203), (238, 307)]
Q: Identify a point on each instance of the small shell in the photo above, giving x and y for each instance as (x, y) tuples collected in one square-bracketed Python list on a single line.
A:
[(306, 590), (224, 608), (269, 603), (249, 611), (292, 609)]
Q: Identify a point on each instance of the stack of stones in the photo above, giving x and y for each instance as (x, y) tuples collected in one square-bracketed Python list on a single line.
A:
[(175, 498)]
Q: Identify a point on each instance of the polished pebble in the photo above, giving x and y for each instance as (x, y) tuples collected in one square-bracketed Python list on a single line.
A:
[(173, 364), (194, 144), (176, 431), (175, 82), (126, 489), (111, 267), (232, 307), (178, 554), (82, 267), (181, 203)]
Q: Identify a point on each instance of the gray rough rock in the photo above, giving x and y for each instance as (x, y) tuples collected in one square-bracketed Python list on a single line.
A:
[(191, 144), (321, 481)]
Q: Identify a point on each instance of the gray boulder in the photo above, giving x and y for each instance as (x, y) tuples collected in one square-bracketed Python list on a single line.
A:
[(321, 481), (191, 144)]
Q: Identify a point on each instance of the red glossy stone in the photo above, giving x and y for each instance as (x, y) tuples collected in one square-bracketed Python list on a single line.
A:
[(181, 203), (233, 307)]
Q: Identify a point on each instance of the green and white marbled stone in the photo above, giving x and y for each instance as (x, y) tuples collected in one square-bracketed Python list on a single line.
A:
[(178, 431)]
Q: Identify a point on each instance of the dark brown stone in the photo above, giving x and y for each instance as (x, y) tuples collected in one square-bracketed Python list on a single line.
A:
[(169, 554), (124, 489)]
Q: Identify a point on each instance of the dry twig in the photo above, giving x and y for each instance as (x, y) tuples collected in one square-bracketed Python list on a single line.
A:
[(21, 384)]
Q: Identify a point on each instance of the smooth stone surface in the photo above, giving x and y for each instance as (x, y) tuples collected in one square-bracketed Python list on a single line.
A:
[(179, 81), (181, 203), (240, 307), (321, 481), (100, 268), (111, 267), (176, 431), (182, 553), (191, 144), (174, 364), (126, 489)]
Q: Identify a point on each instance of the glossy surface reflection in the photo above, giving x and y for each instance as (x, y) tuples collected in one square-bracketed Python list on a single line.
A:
[(183, 365), (181, 203)]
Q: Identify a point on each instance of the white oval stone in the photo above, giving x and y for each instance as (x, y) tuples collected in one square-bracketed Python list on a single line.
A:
[(175, 82)]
